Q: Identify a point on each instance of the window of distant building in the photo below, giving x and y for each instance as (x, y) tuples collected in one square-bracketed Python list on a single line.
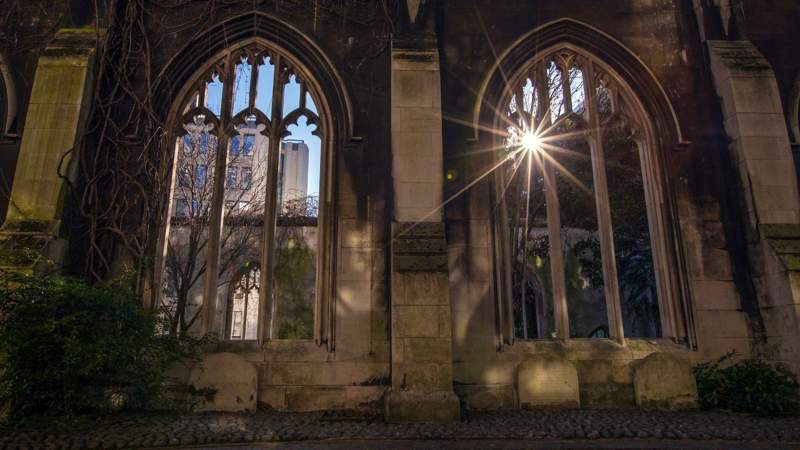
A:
[(249, 101), (581, 235)]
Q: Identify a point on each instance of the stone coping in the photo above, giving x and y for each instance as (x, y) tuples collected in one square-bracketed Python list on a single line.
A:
[(635, 348), (576, 349)]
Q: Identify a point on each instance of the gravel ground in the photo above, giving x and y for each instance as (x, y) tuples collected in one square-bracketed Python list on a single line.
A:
[(164, 430)]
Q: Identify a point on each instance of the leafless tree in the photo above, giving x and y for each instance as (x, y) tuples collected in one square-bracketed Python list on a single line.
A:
[(193, 204)]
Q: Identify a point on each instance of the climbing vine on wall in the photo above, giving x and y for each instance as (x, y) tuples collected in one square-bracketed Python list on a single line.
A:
[(27, 25), (124, 166)]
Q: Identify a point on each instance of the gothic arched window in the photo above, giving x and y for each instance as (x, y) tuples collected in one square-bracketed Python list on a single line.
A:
[(580, 205), (250, 167), (8, 103), (242, 311)]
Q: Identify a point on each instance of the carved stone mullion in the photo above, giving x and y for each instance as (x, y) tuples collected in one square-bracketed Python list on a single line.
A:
[(217, 204), (610, 280)]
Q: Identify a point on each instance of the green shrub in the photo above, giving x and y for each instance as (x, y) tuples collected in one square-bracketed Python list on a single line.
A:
[(751, 386), (68, 348)]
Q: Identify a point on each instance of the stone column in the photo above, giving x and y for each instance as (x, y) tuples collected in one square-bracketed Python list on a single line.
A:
[(755, 122), (59, 104), (422, 365)]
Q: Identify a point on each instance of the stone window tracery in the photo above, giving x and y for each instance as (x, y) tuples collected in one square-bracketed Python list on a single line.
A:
[(237, 119), (579, 205)]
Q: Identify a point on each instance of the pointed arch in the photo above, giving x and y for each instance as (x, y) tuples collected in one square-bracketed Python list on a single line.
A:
[(8, 98), (644, 124), (284, 36), (242, 189), (601, 45)]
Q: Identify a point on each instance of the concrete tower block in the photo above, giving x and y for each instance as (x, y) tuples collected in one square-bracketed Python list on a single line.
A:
[(548, 381), (664, 381), (234, 379)]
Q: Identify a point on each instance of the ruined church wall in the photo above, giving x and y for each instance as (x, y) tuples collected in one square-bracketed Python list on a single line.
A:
[(662, 34), (300, 375)]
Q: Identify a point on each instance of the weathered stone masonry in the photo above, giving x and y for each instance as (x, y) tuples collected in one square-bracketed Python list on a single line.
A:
[(417, 322)]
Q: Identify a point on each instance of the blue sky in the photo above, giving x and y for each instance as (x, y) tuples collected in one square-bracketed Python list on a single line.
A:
[(291, 101)]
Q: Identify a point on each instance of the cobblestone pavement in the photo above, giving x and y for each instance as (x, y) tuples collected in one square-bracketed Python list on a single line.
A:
[(507, 444), (165, 430)]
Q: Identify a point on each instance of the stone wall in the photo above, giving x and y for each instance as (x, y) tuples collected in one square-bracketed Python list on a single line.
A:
[(438, 327), (485, 365), (300, 376), (351, 369)]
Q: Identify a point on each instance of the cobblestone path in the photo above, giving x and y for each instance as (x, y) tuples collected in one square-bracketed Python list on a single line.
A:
[(164, 430)]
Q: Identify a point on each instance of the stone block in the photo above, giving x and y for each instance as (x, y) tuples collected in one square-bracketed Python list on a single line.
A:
[(425, 288), (59, 84), (771, 172), (420, 246), (423, 377), (761, 147), (604, 371), (427, 194), (548, 381), (755, 125), (354, 309), (781, 216), (752, 94), (715, 295), (722, 323), (354, 233), (664, 381), (775, 198), (333, 397), (329, 373), (413, 58), (605, 383), (406, 144), (714, 235), (413, 88), (381, 350), (713, 348), (416, 213), (473, 263), (408, 406), (711, 264), (485, 370), (418, 120), (445, 322), (279, 350), (273, 397), (356, 264), (416, 321), (420, 262), (428, 349), (411, 168), (487, 397), (287, 373), (380, 325), (234, 379), (781, 320)]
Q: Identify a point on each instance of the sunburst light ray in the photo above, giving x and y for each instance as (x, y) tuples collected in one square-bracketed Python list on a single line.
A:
[(529, 137)]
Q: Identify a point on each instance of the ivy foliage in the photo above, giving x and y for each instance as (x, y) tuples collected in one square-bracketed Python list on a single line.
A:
[(751, 386), (295, 273), (67, 348)]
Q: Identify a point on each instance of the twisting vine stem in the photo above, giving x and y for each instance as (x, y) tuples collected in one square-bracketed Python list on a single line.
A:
[(126, 160)]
